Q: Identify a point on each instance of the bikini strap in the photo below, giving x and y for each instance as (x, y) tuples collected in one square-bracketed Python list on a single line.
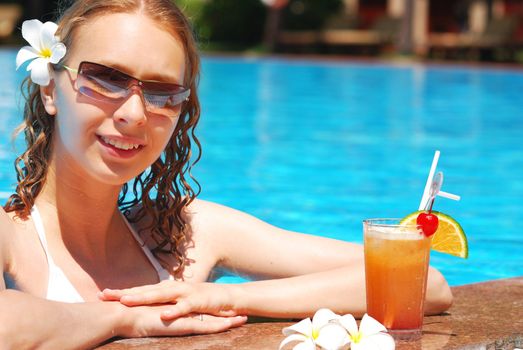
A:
[(40, 230), (59, 288), (163, 274)]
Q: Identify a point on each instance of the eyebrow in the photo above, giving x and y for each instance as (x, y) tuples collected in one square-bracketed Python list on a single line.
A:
[(153, 76)]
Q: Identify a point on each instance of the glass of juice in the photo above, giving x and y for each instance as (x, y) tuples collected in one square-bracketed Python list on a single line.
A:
[(396, 266)]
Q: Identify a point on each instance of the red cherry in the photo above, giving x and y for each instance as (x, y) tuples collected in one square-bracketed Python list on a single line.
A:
[(428, 223)]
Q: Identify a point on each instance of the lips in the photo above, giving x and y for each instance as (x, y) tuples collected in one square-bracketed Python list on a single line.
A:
[(119, 143), (120, 147)]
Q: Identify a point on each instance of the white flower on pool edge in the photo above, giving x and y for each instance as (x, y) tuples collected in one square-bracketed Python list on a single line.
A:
[(370, 335), (330, 331), (44, 48), (323, 331)]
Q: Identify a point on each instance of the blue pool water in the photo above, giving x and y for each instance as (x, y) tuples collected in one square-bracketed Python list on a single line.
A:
[(317, 147)]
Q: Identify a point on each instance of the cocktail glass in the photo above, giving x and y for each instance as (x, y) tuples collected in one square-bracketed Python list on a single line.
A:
[(396, 266)]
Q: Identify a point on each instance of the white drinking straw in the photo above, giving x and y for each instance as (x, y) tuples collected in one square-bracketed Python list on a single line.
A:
[(426, 193), (449, 195)]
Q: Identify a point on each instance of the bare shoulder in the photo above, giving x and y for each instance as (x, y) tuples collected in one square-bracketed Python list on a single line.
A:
[(204, 219), (224, 234), (224, 225), (5, 219), (6, 230), (198, 205), (201, 215), (220, 225), (208, 218), (200, 208)]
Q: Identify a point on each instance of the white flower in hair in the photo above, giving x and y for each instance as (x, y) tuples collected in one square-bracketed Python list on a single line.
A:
[(45, 48)]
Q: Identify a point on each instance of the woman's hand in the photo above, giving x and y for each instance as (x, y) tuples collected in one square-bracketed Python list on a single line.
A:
[(143, 321), (184, 298)]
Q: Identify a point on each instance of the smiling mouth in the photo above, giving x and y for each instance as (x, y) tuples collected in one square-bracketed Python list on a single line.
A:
[(126, 146)]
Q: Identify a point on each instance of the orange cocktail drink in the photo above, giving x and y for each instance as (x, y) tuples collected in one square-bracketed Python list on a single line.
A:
[(396, 266)]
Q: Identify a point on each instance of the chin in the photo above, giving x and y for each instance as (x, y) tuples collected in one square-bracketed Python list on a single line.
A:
[(115, 177)]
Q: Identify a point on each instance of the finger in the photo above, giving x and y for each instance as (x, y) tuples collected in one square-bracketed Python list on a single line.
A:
[(101, 296), (216, 323), (226, 313), (109, 295), (112, 294), (118, 293), (184, 307), (237, 321), (181, 308), (159, 296), (208, 324)]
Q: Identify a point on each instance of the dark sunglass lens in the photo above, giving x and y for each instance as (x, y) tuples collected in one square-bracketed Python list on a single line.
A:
[(101, 82), (159, 88), (117, 78), (107, 74)]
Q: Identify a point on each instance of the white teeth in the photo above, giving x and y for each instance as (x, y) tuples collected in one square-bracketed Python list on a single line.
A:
[(119, 144)]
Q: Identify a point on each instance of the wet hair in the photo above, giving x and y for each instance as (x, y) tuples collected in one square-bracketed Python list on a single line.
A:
[(160, 193)]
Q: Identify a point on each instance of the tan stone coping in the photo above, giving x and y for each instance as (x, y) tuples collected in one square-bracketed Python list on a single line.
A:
[(484, 316)]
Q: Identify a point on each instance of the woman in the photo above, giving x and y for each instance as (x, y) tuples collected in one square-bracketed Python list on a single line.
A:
[(121, 107)]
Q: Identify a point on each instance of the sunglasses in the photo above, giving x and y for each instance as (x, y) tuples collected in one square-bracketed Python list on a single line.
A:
[(107, 84)]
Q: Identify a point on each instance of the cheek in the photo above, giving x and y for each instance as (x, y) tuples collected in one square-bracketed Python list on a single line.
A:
[(66, 123), (75, 113), (75, 126), (69, 133), (161, 133)]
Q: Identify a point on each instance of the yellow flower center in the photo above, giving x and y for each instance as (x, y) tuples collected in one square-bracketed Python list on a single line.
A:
[(315, 333), (356, 338), (46, 53)]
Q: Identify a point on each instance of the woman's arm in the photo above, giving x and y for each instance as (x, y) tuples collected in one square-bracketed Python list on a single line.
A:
[(304, 272), (320, 272), (341, 290), (29, 322)]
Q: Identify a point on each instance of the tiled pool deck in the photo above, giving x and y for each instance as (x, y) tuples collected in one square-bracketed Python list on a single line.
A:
[(484, 316)]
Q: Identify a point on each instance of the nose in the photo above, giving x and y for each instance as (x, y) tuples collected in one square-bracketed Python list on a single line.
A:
[(132, 110)]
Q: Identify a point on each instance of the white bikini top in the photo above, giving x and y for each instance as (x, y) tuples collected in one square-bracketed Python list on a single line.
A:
[(59, 288)]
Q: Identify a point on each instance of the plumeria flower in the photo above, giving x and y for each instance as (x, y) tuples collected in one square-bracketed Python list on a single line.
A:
[(330, 331), (370, 335), (324, 331), (44, 48)]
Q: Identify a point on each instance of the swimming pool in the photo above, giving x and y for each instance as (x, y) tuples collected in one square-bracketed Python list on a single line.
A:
[(317, 147)]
